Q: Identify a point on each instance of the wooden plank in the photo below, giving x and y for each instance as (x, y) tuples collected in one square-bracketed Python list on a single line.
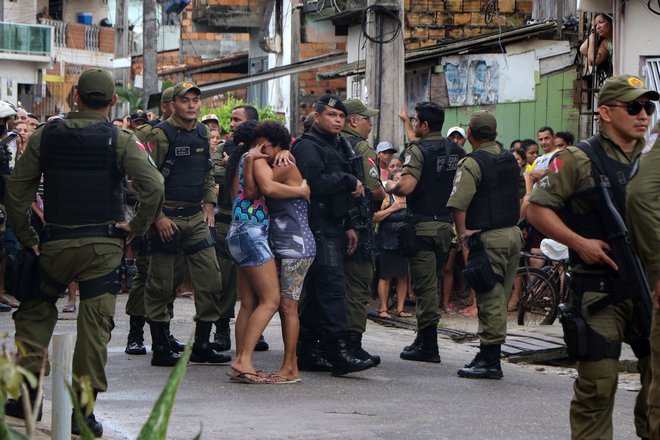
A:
[(508, 122), (527, 127), (540, 110), (555, 101)]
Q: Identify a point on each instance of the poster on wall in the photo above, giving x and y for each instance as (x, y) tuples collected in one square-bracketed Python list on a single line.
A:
[(417, 88), (490, 78)]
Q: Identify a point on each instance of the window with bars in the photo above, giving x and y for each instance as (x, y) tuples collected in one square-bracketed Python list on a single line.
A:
[(653, 83)]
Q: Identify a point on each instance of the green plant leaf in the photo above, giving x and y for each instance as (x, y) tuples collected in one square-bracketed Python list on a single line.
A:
[(85, 433), (223, 112), (156, 426)]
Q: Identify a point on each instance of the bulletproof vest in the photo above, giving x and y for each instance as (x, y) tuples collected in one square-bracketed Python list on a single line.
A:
[(593, 222), (82, 183), (188, 160), (429, 198), (496, 203), (353, 141), (334, 206)]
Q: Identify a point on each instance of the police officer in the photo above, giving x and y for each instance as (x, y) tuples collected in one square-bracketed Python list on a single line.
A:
[(322, 157), (643, 212), (359, 267), (426, 180), (485, 203), (135, 303), (84, 233), (222, 337), (602, 306), (181, 232), (6, 113)]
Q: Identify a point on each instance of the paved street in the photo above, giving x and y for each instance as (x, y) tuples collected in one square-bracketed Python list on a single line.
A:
[(398, 400)]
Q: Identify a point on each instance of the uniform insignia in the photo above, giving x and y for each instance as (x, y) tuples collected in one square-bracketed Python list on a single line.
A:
[(371, 161), (151, 161), (635, 82), (140, 146), (457, 177), (407, 161), (199, 150), (373, 172), (150, 147), (556, 164), (545, 182), (182, 151), (332, 102), (453, 191)]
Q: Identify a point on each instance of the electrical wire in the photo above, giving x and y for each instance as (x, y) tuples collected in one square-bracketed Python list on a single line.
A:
[(379, 9)]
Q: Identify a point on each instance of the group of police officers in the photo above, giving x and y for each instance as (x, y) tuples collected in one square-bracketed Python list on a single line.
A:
[(83, 161)]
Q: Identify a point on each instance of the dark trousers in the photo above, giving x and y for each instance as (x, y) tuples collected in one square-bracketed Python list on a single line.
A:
[(323, 309)]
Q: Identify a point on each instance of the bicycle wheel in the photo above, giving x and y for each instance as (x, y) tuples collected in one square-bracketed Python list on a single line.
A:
[(538, 298)]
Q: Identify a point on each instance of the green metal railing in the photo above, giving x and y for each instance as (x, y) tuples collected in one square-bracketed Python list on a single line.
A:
[(25, 38)]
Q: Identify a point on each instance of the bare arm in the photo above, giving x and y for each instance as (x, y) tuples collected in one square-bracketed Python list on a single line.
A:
[(386, 212), (263, 175), (407, 126), (591, 45), (404, 186)]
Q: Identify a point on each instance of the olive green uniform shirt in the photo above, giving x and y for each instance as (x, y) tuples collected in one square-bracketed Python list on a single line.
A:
[(643, 207), (570, 172), (468, 178), (413, 165), (131, 159), (158, 145), (368, 154)]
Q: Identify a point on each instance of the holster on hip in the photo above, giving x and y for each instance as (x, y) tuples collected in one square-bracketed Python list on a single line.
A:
[(478, 272)]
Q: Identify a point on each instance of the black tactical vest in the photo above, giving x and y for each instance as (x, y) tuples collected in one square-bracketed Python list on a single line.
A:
[(82, 184), (188, 160), (593, 223), (333, 207), (496, 203), (432, 191), (224, 196)]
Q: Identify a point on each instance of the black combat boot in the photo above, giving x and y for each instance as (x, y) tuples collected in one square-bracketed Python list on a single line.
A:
[(354, 341), (90, 421), (343, 362), (416, 343), (311, 357), (222, 335), (262, 345), (135, 343), (486, 365), (427, 351), (162, 353), (176, 345), (202, 352), (14, 407)]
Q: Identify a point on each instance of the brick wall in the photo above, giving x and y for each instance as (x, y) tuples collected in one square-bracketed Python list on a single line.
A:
[(107, 40), (430, 22)]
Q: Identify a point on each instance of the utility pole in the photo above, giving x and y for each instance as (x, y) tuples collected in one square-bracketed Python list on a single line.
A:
[(385, 69), (149, 51), (294, 88)]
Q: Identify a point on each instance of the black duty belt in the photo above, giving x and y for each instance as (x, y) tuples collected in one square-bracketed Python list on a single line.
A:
[(416, 218), (51, 232), (223, 218), (182, 211)]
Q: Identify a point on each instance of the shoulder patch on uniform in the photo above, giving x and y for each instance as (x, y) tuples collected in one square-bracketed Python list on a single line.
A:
[(371, 161), (457, 177), (407, 161), (140, 146), (373, 173), (151, 161), (556, 164), (544, 182)]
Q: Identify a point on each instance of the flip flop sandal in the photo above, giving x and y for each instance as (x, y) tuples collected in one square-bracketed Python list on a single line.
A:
[(277, 379)]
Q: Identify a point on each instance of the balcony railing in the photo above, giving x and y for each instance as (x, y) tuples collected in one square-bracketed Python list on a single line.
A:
[(81, 36), (25, 38)]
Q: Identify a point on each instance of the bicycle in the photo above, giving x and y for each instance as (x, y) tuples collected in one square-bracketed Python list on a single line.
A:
[(542, 290)]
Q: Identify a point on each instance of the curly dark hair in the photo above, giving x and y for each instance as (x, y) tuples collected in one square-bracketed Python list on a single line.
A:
[(277, 134), (243, 138)]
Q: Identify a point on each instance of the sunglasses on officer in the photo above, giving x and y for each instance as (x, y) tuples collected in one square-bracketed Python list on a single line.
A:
[(635, 107)]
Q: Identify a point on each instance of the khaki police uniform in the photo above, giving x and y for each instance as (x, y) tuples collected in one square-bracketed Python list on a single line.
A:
[(202, 264), (570, 172), (81, 259), (502, 247), (360, 271), (436, 235), (643, 218)]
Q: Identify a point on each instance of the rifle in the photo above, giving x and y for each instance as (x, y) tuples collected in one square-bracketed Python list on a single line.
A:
[(360, 211), (631, 272)]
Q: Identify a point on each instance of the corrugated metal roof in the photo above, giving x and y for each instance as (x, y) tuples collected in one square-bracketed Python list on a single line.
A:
[(456, 47)]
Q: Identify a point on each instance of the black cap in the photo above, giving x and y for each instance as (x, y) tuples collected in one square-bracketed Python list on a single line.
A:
[(334, 102), (139, 115)]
